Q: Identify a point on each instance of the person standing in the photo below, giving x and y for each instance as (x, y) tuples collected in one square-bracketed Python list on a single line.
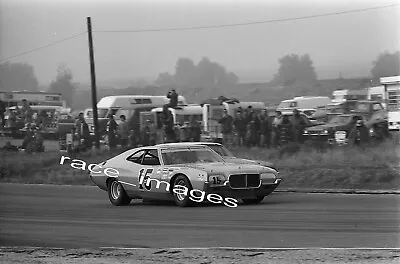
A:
[(227, 124), (275, 127), (285, 131), (195, 130), (168, 125), (254, 130), (12, 122), (78, 125), (298, 126), (2, 113), (359, 134), (133, 139), (249, 114), (28, 135), (111, 132), (145, 134), (26, 111), (173, 98), (82, 132), (152, 133), (123, 132), (265, 129), (240, 127)]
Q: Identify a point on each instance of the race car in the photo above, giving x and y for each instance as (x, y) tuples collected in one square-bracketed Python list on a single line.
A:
[(224, 153), (183, 174)]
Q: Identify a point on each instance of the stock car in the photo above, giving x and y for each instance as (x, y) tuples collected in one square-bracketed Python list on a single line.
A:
[(195, 167), (224, 153)]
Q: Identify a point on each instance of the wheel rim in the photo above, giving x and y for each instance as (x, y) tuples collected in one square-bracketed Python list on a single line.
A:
[(115, 190), (179, 196)]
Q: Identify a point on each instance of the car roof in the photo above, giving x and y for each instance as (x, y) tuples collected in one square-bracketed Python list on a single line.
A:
[(166, 145), (185, 144)]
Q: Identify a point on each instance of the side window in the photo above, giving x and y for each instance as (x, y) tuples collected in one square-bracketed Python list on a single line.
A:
[(151, 158), (136, 157)]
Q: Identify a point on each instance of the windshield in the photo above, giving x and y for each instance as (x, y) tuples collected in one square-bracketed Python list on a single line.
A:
[(289, 104), (363, 107), (221, 150), (340, 120), (187, 155), (101, 112)]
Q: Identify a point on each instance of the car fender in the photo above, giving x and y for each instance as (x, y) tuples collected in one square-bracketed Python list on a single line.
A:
[(196, 177)]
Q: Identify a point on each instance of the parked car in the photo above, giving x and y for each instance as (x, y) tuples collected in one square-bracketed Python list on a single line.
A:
[(154, 173), (347, 107), (341, 125)]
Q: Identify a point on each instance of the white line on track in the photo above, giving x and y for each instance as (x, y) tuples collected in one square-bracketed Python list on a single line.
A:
[(214, 248), (250, 248)]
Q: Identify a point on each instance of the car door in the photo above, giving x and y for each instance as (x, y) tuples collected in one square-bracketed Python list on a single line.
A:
[(130, 178), (150, 175)]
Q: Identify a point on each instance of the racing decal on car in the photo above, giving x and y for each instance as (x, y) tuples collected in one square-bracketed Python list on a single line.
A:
[(164, 173), (144, 176)]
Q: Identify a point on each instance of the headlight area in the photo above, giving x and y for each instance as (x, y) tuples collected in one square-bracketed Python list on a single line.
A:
[(269, 178), (216, 180)]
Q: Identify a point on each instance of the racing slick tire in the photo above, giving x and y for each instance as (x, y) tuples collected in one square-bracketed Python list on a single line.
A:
[(182, 200), (117, 194), (253, 201)]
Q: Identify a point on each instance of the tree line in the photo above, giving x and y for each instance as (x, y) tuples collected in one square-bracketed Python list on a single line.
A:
[(205, 73), (295, 72)]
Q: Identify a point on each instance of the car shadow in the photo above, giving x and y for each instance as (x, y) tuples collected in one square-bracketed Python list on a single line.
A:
[(273, 199)]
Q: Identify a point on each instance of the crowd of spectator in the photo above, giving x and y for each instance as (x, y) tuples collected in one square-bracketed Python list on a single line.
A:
[(33, 123), (246, 129), (249, 129)]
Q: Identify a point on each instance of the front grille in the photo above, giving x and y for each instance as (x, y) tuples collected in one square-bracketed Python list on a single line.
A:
[(240, 181)]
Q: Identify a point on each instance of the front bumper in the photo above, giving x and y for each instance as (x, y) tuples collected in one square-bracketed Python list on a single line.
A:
[(394, 126), (249, 193), (317, 137)]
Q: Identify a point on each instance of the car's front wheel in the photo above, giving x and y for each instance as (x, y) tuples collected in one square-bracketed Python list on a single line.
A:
[(117, 194), (253, 201), (182, 193)]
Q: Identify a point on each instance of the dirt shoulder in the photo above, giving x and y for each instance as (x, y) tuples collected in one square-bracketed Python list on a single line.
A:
[(198, 256)]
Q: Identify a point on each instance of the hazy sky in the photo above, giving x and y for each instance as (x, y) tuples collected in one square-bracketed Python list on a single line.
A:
[(346, 43)]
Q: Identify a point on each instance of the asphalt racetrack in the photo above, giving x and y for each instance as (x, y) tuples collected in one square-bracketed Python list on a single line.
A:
[(76, 217)]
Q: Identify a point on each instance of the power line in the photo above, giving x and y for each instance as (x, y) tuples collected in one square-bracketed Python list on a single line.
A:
[(245, 24), (199, 27), (42, 47)]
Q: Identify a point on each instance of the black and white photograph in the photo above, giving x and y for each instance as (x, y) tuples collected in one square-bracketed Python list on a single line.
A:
[(199, 131)]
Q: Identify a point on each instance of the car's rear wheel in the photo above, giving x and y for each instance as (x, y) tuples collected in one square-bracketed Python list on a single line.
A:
[(253, 201), (182, 200), (117, 194)]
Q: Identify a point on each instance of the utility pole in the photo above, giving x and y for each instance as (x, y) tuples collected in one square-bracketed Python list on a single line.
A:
[(93, 80)]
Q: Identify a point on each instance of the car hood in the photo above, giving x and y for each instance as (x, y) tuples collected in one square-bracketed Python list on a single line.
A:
[(247, 161), (225, 168)]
